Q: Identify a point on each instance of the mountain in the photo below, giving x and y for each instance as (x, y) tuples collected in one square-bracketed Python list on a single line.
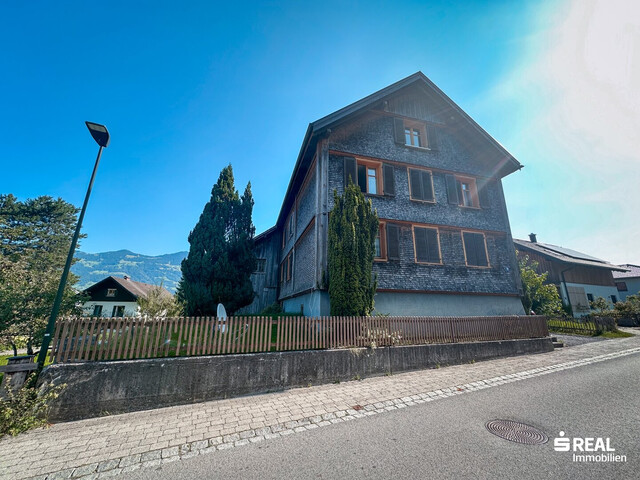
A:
[(93, 267)]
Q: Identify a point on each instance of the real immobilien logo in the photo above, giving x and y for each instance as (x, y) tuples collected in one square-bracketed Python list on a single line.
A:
[(594, 449)]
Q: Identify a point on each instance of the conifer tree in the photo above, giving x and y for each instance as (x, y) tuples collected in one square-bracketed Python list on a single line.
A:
[(221, 258), (353, 226)]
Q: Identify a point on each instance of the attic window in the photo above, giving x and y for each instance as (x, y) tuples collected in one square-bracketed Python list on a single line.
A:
[(111, 292), (414, 133)]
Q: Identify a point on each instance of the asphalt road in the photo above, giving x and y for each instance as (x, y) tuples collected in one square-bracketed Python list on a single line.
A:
[(447, 438)]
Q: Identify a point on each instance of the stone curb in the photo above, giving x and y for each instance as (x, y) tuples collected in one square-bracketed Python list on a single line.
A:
[(110, 468)]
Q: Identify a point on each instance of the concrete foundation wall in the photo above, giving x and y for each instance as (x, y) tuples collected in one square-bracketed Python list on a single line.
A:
[(312, 304), (458, 305), (98, 388)]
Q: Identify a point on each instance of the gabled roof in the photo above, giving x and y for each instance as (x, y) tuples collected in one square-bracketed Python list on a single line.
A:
[(137, 289), (564, 255), (507, 164), (633, 271)]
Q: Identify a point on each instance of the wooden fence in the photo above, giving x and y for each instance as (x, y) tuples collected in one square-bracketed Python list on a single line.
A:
[(96, 339)]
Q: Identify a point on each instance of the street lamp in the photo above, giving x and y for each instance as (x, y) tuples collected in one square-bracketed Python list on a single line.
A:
[(101, 135)]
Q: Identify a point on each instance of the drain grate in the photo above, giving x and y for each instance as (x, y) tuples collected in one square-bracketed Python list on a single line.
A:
[(517, 432)]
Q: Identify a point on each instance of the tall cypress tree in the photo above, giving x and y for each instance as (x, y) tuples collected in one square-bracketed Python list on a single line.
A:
[(221, 258), (353, 226)]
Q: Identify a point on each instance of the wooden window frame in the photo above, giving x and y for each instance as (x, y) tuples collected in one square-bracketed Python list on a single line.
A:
[(379, 183), (382, 233), (433, 192), (289, 262), (475, 200), (112, 292), (486, 249), (416, 126), (622, 286), (97, 311), (415, 250)]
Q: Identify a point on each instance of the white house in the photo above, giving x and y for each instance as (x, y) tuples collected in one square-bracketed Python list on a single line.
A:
[(115, 297)]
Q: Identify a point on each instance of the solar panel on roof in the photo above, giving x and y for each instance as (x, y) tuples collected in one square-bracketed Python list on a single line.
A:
[(572, 253)]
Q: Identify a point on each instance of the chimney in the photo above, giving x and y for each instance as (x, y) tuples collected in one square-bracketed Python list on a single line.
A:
[(532, 238), (126, 277)]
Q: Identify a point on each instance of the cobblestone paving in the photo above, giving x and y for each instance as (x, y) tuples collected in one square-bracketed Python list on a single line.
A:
[(108, 446)]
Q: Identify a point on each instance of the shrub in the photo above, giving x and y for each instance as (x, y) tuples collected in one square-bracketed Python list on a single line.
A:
[(26, 408)]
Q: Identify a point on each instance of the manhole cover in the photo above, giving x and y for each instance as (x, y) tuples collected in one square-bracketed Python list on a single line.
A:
[(517, 432)]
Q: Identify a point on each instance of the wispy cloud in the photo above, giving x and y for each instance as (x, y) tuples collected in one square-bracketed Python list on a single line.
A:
[(576, 94)]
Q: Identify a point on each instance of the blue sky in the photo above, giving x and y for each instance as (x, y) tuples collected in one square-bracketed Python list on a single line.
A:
[(186, 88)]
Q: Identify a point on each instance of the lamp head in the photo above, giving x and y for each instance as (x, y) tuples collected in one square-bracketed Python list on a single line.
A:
[(99, 133)]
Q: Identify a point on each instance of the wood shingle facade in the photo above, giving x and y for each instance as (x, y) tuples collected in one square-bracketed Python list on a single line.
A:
[(434, 177)]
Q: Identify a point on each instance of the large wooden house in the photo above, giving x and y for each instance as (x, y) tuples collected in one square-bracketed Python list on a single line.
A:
[(433, 175)]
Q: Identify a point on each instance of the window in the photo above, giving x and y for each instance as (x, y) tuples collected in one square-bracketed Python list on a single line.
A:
[(118, 311), (590, 297), (291, 225), (111, 292), (285, 268), (414, 133), (614, 299), (372, 177), (261, 265), (467, 191), (622, 286), (426, 244), (421, 185), (97, 311), (475, 249), (414, 136)]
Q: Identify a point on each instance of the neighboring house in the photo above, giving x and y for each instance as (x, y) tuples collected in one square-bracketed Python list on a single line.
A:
[(628, 282), (580, 278), (434, 176), (115, 297)]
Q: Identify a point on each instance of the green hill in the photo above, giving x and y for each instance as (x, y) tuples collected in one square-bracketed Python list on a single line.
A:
[(93, 267)]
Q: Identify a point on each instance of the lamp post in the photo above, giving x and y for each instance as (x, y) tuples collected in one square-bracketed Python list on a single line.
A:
[(101, 136)]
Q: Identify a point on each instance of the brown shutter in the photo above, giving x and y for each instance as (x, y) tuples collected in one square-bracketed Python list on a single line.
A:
[(389, 186), (420, 237), (452, 190), (393, 242), (483, 192), (481, 251), (433, 252), (432, 137), (470, 248), (416, 185), (349, 170), (398, 130), (427, 190), (362, 178)]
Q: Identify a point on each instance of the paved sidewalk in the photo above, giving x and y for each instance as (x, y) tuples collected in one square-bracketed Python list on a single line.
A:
[(108, 446)]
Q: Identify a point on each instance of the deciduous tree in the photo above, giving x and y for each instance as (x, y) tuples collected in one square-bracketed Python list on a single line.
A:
[(34, 241), (538, 296)]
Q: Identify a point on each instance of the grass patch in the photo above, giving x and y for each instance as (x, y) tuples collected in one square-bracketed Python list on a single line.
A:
[(616, 334)]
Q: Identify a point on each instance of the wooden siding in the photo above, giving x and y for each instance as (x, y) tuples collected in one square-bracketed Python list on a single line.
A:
[(572, 273)]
